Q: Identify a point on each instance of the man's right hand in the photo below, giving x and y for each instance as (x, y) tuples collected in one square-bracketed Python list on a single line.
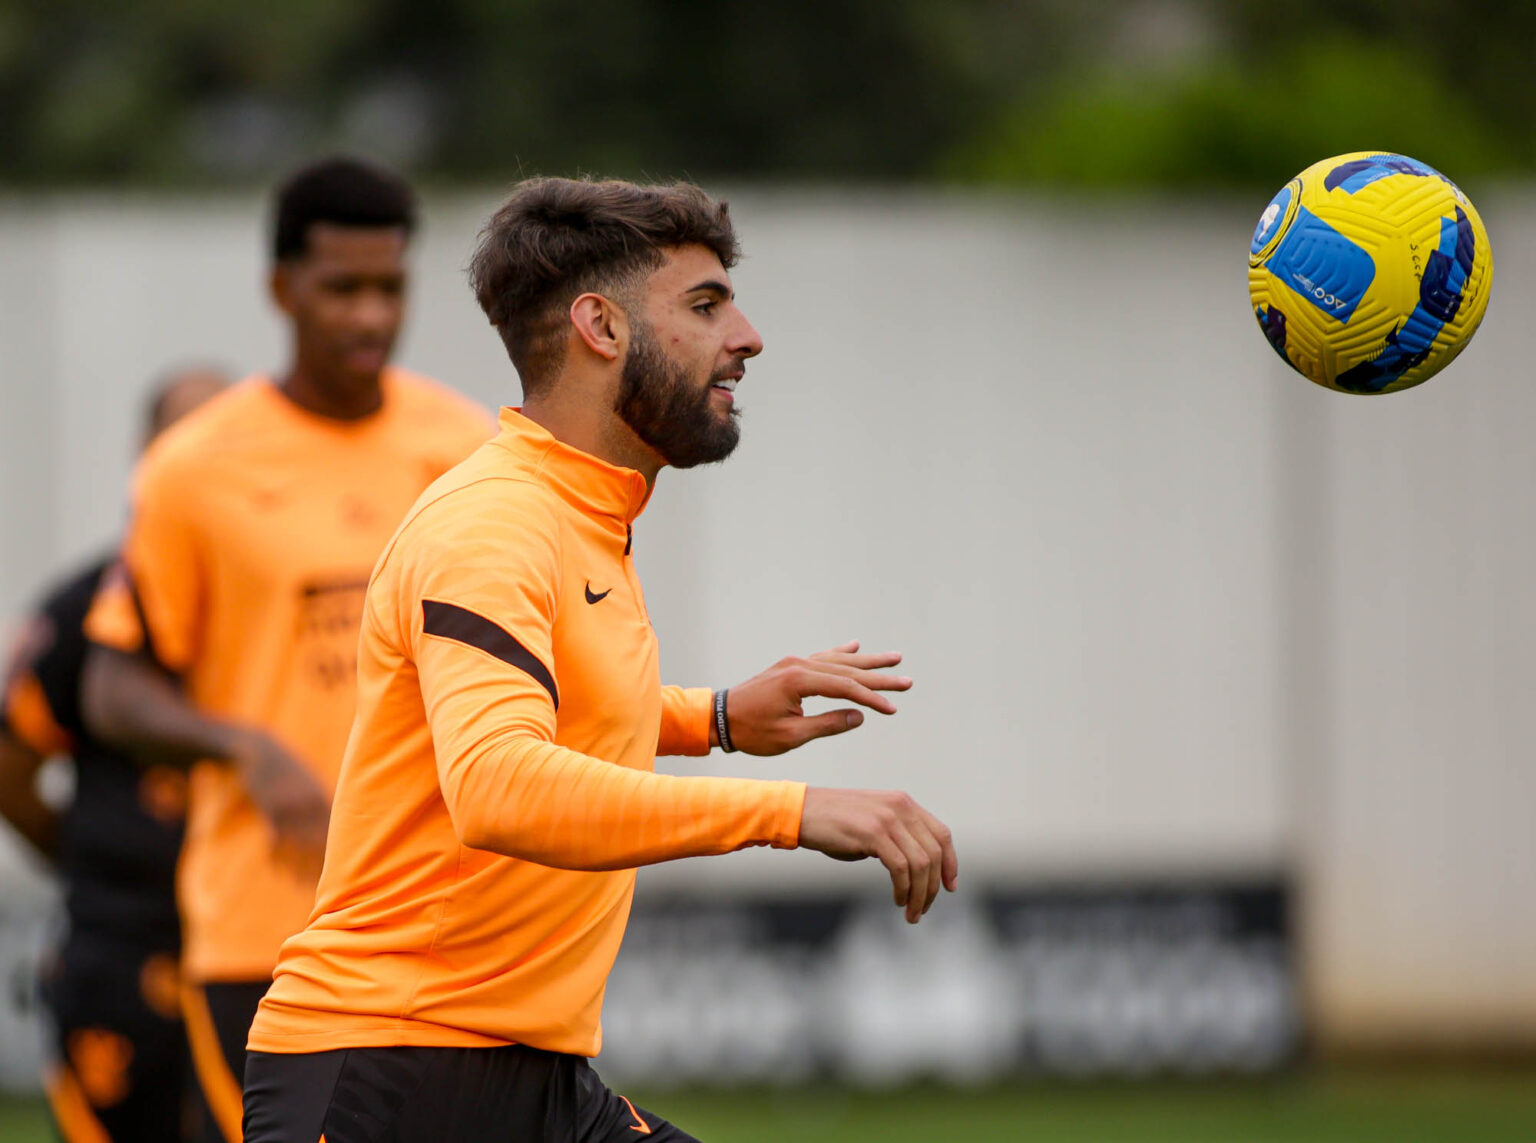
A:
[(285, 792), (909, 841)]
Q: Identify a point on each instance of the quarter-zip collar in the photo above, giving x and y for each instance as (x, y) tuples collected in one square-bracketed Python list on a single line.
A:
[(592, 486)]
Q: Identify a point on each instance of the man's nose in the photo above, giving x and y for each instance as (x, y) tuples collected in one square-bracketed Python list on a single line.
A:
[(376, 311), (746, 341)]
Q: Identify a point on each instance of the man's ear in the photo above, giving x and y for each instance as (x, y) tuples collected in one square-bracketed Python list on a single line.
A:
[(280, 286), (602, 326)]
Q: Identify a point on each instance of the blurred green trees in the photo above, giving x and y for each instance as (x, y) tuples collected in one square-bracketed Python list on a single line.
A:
[(1223, 124), (1054, 92)]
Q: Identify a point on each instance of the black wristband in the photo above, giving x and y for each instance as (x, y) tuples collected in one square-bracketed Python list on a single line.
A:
[(723, 722)]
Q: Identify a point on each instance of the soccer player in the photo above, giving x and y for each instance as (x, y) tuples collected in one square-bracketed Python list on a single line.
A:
[(116, 1053), (255, 524), (498, 790)]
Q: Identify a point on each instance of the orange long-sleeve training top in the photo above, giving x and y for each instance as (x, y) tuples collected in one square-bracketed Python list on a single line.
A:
[(497, 791), (255, 526)]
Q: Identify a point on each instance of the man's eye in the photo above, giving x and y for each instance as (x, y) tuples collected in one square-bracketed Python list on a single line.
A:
[(705, 307)]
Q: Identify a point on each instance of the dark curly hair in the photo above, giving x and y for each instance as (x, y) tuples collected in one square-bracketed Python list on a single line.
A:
[(343, 191), (555, 239)]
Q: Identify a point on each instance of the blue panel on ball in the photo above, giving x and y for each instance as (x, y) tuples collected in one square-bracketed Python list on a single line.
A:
[(1323, 266), (1273, 216), (1272, 322), (1440, 293), (1360, 173)]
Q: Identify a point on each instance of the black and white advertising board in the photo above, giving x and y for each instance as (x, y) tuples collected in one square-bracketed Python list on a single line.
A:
[(1081, 981)]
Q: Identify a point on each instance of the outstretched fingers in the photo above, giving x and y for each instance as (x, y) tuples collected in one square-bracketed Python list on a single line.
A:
[(810, 682), (874, 680), (766, 712), (799, 730), (844, 657)]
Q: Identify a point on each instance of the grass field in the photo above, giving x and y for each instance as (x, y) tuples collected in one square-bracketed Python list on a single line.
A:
[(1343, 1107)]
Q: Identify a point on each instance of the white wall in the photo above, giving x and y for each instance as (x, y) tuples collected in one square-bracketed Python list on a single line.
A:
[(1169, 607), (1419, 820)]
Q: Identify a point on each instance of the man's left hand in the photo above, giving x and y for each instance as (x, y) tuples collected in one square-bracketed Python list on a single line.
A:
[(766, 715)]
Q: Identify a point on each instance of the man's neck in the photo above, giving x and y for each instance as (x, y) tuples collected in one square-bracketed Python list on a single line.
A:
[(336, 402), (587, 422)]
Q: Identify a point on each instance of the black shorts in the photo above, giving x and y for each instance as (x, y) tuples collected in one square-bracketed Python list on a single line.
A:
[(405, 1095), (219, 1019), (117, 1053)]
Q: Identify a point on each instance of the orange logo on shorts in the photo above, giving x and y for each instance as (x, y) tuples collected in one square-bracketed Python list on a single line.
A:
[(100, 1058), (160, 985)]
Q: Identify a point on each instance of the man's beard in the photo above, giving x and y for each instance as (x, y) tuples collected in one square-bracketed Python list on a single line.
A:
[(668, 411)]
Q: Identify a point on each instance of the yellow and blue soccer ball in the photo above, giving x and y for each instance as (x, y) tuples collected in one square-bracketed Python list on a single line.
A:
[(1369, 272)]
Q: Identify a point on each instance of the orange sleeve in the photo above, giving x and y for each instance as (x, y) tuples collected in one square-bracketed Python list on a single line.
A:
[(507, 785), (153, 600), (686, 714)]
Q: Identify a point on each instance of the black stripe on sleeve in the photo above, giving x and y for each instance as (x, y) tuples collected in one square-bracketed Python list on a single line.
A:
[(449, 621)]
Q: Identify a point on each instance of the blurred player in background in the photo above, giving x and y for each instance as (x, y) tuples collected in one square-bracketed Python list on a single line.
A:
[(498, 790), (254, 528), (117, 1052)]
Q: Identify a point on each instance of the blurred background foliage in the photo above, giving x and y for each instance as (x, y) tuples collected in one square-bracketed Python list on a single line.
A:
[(1096, 93)]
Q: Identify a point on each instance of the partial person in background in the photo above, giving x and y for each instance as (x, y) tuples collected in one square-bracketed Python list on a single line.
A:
[(255, 525), (499, 789), (115, 1061)]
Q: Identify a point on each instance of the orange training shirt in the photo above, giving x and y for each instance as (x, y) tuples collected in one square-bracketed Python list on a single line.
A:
[(498, 791), (254, 528)]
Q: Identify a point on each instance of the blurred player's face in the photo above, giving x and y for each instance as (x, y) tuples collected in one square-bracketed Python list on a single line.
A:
[(345, 296), (688, 348)]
